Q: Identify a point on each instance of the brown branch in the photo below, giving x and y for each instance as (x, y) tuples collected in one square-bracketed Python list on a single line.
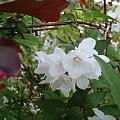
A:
[(57, 24), (35, 30), (65, 23)]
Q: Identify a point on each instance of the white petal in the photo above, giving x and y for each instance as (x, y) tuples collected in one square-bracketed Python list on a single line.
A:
[(50, 59), (68, 63), (109, 117), (103, 57), (56, 70), (75, 72), (83, 82), (59, 52), (73, 85), (95, 69), (99, 113), (47, 80), (94, 118), (56, 83), (40, 56), (87, 44), (82, 55), (41, 69), (65, 88)]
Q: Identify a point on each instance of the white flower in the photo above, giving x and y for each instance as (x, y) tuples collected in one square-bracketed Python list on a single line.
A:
[(117, 11), (64, 72), (63, 83), (112, 14), (40, 56), (76, 64), (86, 47), (42, 65), (54, 62), (81, 61), (115, 27), (100, 116)]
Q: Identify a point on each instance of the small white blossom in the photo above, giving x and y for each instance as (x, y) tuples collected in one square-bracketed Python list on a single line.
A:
[(5, 100), (115, 27), (54, 62), (42, 65), (77, 64), (63, 83), (115, 14)]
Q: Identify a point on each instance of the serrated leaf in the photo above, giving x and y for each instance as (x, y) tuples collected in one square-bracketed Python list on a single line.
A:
[(49, 94), (101, 83), (111, 110), (28, 40), (78, 98), (101, 45), (53, 109), (93, 33), (94, 99), (20, 26), (74, 114), (113, 79), (113, 53)]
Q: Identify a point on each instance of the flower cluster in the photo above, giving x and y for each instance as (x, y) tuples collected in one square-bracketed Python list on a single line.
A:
[(100, 116), (115, 14), (64, 71)]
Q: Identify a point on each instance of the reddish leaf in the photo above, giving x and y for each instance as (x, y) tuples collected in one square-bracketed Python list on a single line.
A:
[(2, 86), (45, 10), (83, 2), (9, 57), (110, 3)]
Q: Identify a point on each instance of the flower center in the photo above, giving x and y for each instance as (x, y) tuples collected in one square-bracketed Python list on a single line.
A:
[(76, 60)]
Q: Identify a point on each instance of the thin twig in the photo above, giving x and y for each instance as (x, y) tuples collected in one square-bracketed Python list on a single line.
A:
[(57, 24)]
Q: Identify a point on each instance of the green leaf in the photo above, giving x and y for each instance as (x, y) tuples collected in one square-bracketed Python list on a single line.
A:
[(28, 40), (68, 46), (96, 14), (7, 113), (94, 99), (74, 114), (113, 79), (112, 53), (49, 94), (78, 98), (20, 26), (101, 45), (93, 33), (53, 109), (8, 93), (111, 110), (101, 83), (24, 116)]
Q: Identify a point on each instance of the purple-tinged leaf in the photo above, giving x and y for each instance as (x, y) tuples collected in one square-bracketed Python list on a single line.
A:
[(9, 57)]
